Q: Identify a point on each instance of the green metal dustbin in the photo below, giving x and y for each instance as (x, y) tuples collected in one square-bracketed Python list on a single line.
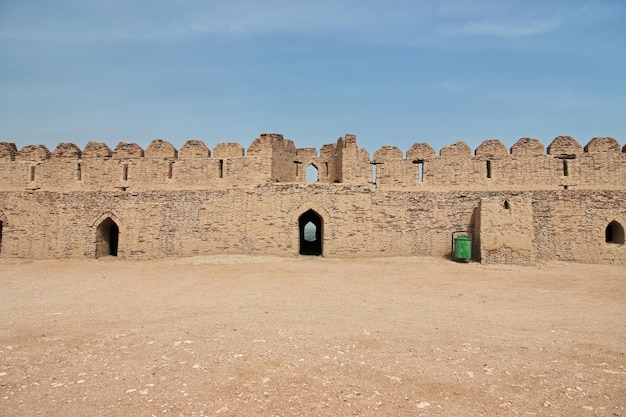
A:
[(462, 247)]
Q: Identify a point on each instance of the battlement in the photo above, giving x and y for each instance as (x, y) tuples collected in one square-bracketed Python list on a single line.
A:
[(270, 158)]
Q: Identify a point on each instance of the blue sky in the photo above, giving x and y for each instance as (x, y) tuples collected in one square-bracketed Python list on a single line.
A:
[(393, 72)]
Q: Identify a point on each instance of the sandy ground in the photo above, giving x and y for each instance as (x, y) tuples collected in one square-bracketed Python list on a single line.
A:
[(262, 336)]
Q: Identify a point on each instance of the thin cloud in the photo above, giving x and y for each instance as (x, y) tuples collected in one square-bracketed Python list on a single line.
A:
[(508, 19), (67, 22), (501, 29), (557, 99), (70, 21), (394, 22)]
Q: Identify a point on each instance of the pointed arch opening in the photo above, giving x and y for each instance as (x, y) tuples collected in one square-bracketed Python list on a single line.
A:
[(312, 174), (107, 239), (311, 233), (614, 233)]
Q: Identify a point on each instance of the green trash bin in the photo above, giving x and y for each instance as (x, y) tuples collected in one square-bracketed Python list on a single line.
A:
[(462, 248)]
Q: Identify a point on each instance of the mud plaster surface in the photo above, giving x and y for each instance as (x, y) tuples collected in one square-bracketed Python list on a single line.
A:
[(263, 336)]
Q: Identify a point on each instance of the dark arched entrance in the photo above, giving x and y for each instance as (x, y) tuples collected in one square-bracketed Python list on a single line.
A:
[(614, 233), (107, 238), (311, 233)]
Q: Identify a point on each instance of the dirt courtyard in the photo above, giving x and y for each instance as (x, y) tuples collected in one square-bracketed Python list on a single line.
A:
[(309, 336)]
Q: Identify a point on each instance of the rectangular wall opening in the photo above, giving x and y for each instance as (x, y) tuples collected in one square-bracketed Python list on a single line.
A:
[(221, 169), (374, 174), (488, 169), (170, 170), (565, 168), (32, 173), (420, 170), (79, 173), (125, 172)]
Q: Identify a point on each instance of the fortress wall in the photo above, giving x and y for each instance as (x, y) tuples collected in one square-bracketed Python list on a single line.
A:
[(282, 159), (304, 158), (495, 169), (353, 162), (483, 173), (567, 165), (248, 171), (262, 220), (55, 173), (566, 225), (152, 224), (330, 155), (362, 170), (103, 174), (198, 172), (14, 176), (8, 152), (599, 170), (390, 168), (325, 164), (129, 168), (570, 225), (269, 146), (193, 201), (533, 172), (504, 229)]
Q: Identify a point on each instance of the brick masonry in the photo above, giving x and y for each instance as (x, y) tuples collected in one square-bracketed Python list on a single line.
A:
[(523, 205)]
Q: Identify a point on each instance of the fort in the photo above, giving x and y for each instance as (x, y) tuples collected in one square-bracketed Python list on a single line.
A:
[(524, 205)]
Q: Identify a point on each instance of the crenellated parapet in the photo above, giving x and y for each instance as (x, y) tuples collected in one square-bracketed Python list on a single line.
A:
[(420, 151), (491, 148), (33, 153), (527, 166), (66, 150), (603, 145), (271, 158), (458, 149), (97, 150), (228, 150), (126, 150), (161, 149), (528, 147), (564, 146), (194, 148)]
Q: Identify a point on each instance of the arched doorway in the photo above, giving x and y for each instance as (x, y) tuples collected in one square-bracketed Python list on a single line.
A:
[(312, 174), (311, 233), (614, 233), (107, 238)]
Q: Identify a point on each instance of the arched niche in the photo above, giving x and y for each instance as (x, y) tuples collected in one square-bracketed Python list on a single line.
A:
[(614, 233)]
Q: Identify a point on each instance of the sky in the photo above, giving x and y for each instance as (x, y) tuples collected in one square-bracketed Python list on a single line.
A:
[(393, 72)]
